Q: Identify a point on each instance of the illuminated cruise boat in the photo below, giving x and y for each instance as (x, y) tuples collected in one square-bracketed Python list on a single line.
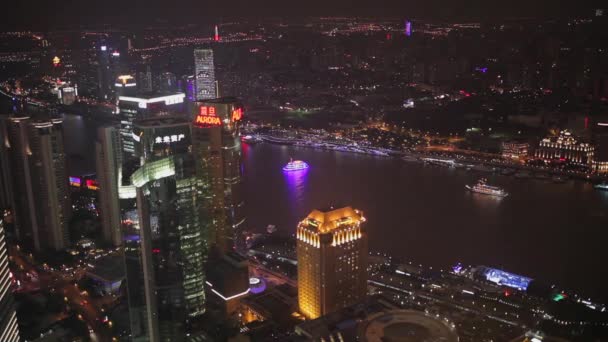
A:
[(295, 165), (483, 188), (602, 186)]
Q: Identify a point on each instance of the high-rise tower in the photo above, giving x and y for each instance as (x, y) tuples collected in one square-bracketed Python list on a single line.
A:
[(332, 261), (38, 164), (9, 329), (204, 72), (108, 163), (165, 257), (217, 147)]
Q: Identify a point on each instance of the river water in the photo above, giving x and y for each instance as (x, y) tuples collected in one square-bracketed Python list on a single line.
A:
[(554, 232)]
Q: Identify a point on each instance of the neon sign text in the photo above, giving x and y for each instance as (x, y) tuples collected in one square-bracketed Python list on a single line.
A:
[(167, 139), (208, 120), (237, 114), (207, 117)]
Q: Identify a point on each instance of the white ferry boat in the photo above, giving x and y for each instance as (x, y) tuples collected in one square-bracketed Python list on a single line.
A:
[(482, 188)]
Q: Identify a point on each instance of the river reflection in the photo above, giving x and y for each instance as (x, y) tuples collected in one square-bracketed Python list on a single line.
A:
[(422, 213)]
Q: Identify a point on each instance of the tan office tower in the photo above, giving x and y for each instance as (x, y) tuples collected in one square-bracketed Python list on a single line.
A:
[(42, 208), (108, 161), (332, 261)]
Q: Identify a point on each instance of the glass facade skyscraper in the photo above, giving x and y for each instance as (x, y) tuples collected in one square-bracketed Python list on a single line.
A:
[(165, 251)]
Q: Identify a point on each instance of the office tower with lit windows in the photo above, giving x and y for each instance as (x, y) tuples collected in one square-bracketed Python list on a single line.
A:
[(9, 329), (204, 73), (145, 106), (217, 146), (217, 150), (108, 162), (165, 256), (41, 203), (332, 261), (108, 68)]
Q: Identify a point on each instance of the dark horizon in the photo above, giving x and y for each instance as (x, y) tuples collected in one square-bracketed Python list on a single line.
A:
[(69, 14)]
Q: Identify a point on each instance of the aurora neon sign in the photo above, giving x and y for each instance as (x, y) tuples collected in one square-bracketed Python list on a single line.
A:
[(207, 117)]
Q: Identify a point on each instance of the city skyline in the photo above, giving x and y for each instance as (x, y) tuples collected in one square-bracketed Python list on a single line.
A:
[(438, 174), (34, 12)]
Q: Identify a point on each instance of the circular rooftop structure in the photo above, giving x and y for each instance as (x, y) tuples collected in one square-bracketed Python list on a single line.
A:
[(406, 326)]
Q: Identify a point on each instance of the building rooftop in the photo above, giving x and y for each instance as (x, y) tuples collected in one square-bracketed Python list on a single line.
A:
[(327, 220), (377, 320)]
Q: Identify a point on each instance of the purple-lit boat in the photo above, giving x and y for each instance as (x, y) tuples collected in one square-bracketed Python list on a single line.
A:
[(295, 165)]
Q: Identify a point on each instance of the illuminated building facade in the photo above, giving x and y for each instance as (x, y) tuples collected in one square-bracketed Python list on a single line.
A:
[(108, 160), (9, 329), (217, 145), (600, 158), (144, 107), (40, 182), (165, 256), (514, 150), (204, 73), (565, 147), (332, 261)]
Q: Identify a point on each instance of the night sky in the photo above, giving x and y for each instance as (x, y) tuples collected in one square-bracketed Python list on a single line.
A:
[(56, 14)]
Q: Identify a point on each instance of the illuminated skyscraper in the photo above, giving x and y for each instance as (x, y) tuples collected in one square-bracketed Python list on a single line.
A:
[(217, 146), (108, 67), (108, 162), (9, 329), (332, 261), (145, 106), (165, 256), (40, 182), (204, 72)]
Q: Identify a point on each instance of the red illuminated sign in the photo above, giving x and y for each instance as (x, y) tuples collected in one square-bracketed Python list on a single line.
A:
[(204, 110), (207, 117), (237, 114), (92, 184)]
